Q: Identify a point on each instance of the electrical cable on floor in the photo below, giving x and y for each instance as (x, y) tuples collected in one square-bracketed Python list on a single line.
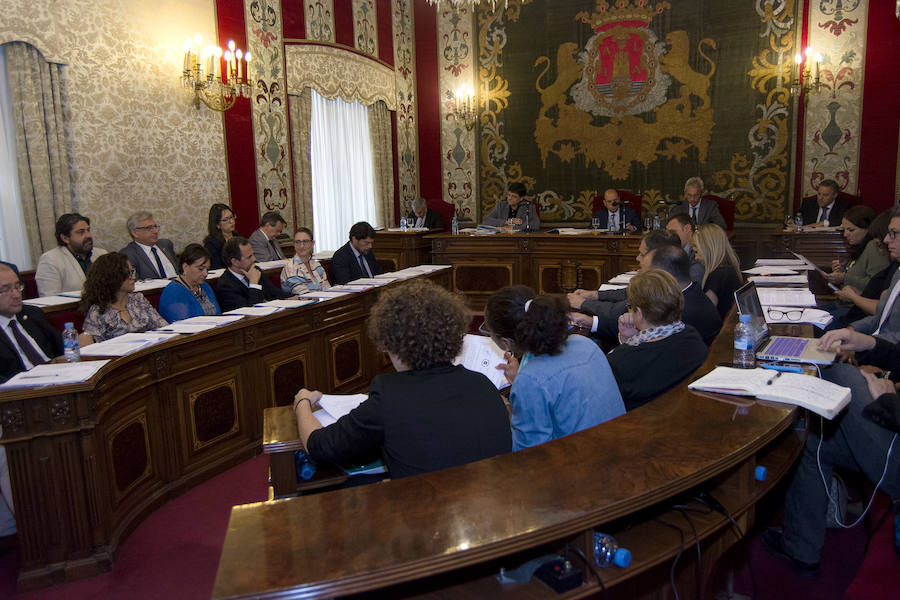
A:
[(591, 566), (708, 499), (677, 556), (699, 553)]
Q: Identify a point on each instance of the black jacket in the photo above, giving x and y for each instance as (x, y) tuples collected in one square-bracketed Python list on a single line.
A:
[(232, 293), (345, 267), (32, 320)]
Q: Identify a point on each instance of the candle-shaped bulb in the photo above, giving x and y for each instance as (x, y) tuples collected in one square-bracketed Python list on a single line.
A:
[(198, 39), (227, 55), (238, 54), (809, 51), (247, 58), (798, 58), (819, 58), (231, 45)]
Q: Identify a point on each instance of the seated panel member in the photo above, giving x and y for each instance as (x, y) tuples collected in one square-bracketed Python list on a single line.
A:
[(614, 216), (63, 268), (867, 257), (220, 229), (243, 284), (681, 225), (702, 211), (264, 240), (425, 217), (152, 257), (111, 306), (722, 275), (826, 206), (562, 384), (303, 273), (430, 414), (355, 259), (189, 295), (514, 213), (658, 350)]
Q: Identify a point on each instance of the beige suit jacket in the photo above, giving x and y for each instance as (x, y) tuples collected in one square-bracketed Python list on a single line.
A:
[(58, 271)]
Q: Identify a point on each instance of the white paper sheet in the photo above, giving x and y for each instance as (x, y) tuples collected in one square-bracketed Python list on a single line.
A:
[(786, 297), (48, 301), (480, 354), (254, 311), (125, 344), (338, 405), (778, 279), (55, 374)]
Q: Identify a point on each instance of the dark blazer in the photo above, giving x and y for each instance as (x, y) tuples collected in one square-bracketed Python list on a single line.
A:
[(32, 320), (628, 214), (143, 266), (810, 211), (214, 247), (433, 219), (708, 212), (232, 293), (345, 267)]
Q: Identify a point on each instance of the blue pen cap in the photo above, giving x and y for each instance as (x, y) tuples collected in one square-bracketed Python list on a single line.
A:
[(622, 557), (761, 473)]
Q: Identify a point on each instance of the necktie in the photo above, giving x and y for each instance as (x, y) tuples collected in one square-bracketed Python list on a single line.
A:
[(33, 356), (694, 213), (823, 214), (362, 265), (246, 280), (159, 265), (614, 226), (276, 249)]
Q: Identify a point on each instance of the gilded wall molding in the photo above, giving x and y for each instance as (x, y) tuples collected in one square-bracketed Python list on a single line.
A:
[(336, 73), (407, 106), (834, 114)]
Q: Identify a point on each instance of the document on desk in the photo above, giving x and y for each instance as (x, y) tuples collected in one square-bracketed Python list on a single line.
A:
[(55, 374), (369, 281), (215, 273), (431, 268), (770, 270), (289, 302), (606, 287), (260, 310), (271, 264), (790, 263), (48, 301), (778, 279), (335, 406), (145, 285), (323, 295), (125, 344), (623, 278), (788, 314), (389, 277), (349, 289), (201, 323), (323, 255), (786, 297), (480, 354)]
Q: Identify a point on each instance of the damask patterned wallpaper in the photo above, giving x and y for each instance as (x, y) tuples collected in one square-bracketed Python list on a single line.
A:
[(137, 141)]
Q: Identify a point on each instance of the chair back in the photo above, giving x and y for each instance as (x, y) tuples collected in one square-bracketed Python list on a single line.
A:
[(726, 209), (634, 201)]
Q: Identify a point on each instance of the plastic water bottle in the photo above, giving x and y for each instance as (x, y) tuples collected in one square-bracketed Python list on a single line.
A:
[(70, 343), (607, 552), (454, 226), (656, 222), (305, 466), (798, 220), (402, 223), (744, 357)]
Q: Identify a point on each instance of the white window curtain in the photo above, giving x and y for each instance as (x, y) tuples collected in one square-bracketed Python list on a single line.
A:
[(343, 182), (13, 238)]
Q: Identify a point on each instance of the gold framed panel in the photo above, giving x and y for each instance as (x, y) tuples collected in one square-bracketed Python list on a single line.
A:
[(139, 418)]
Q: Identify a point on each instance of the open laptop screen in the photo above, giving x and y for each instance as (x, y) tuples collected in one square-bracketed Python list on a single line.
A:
[(747, 300)]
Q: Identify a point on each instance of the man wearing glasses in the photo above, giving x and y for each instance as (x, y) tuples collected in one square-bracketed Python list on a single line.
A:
[(151, 257), (63, 268)]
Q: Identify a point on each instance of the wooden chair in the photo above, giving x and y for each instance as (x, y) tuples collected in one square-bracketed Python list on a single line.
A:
[(726, 208)]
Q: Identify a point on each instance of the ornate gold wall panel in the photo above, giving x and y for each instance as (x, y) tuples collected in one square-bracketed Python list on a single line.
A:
[(407, 111)]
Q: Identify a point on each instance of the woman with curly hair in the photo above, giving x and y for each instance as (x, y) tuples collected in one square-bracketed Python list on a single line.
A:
[(112, 306), (430, 414), (562, 383)]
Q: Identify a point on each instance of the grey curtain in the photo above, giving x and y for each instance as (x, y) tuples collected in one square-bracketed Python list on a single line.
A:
[(382, 159), (43, 153), (299, 107)]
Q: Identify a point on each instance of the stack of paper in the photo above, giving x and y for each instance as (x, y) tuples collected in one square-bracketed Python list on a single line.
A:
[(56, 374), (150, 284), (786, 297), (202, 323), (48, 301), (788, 314), (271, 264), (770, 270), (482, 355), (289, 303), (369, 281), (335, 406), (609, 286), (254, 311), (778, 279), (323, 294), (125, 344), (624, 278)]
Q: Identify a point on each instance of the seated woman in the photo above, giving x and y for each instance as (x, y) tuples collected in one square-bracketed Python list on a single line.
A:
[(188, 295), (303, 273), (866, 257), (430, 414), (112, 306), (562, 384), (658, 350), (220, 229), (722, 270)]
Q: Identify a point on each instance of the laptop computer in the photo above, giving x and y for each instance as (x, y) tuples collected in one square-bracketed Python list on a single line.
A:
[(779, 348)]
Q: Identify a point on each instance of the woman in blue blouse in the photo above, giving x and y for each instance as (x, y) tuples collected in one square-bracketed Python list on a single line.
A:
[(561, 384), (188, 295)]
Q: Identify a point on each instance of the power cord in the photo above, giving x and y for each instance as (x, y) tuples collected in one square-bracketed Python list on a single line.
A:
[(699, 553), (677, 556), (590, 565), (710, 501)]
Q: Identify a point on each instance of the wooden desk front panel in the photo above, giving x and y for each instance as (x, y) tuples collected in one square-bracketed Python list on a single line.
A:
[(402, 249), (819, 247)]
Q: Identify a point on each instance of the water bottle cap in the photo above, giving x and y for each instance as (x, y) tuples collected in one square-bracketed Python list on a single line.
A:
[(622, 557), (69, 326), (761, 473), (745, 318), (307, 471)]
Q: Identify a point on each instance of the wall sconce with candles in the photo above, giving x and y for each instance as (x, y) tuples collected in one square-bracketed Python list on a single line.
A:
[(802, 80), (464, 107), (217, 87)]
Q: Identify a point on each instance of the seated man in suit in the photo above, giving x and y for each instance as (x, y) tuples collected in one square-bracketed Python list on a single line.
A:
[(425, 217), (515, 213), (601, 315), (355, 259), (700, 210), (151, 257), (27, 339), (242, 283), (614, 217), (63, 268), (264, 240), (825, 207), (681, 225)]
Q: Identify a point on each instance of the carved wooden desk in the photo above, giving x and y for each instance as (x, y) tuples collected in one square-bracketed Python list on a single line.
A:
[(447, 533), (821, 247), (89, 461)]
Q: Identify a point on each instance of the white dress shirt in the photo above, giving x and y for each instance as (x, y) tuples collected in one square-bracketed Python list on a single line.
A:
[(166, 263)]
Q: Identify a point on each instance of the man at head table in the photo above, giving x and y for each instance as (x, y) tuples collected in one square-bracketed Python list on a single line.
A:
[(63, 268), (423, 216), (151, 257), (242, 283), (515, 213), (355, 259), (825, 207), (701, 210), (615, 216)]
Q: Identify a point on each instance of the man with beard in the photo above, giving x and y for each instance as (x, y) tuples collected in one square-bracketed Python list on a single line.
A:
[(63, 268)]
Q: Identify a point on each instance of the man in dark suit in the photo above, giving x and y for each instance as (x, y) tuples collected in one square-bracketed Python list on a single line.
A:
[(614, 217), (355, 259), (151, 257), (28, 338), (264, 240), (242, 283), (422, 216), (826, 206), (680, 224), (699, 209)]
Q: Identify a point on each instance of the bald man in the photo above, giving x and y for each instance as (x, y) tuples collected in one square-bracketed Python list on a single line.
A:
[(615, 216)]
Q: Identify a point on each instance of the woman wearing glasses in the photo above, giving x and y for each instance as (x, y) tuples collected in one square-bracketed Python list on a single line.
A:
[(303, 273), (658, 350), (722, 270), (562, 383), (220, 229), (113, 307), (188, 295)]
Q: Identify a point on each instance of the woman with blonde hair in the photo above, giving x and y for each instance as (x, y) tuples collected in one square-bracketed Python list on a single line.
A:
[(722, 270)]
